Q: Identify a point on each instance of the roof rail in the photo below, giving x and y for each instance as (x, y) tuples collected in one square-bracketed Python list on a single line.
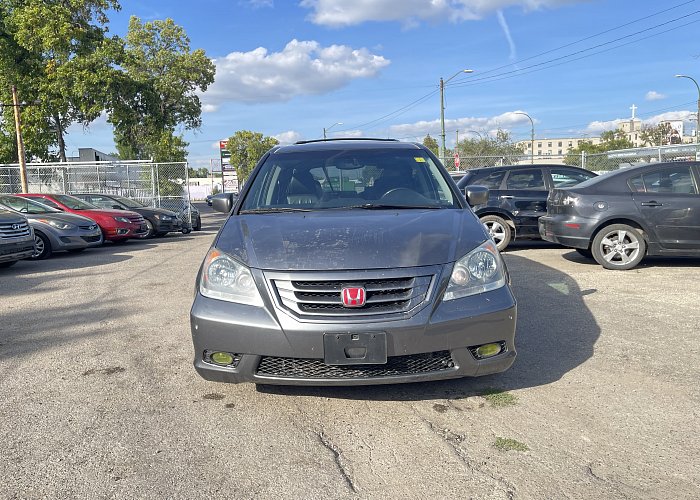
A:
[(347, 139)]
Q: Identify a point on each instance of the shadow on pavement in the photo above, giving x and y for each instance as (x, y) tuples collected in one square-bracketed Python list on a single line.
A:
[(555, 334)]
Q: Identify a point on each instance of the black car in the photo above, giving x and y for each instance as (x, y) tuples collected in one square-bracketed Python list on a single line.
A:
[(518, 196), (621, 216), (189, 215), (159, 221)]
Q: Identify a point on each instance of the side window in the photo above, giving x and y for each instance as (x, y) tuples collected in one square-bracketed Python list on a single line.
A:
[(492, 180), (100, 201), (525, 179), (49, 203), (670, 180), (568, 178), (637, 184)]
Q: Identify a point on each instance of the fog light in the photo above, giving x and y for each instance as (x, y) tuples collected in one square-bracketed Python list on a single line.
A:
[(222, 358), (488, 350)]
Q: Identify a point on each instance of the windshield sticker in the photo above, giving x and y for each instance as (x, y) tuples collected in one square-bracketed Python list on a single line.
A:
[(419, 159)]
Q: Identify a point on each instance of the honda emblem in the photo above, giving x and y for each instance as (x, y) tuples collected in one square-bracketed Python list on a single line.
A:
[(354, 297)]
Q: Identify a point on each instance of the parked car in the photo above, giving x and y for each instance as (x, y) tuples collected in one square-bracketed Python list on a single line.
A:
[(158, 220), (182, 207), (349, 262), (518, 196), (54, 230), (209, 197), (116, 225), (16, 238), (622, 216)]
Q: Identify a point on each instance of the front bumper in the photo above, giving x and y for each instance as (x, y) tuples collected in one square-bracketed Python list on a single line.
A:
[(17, 250), (269, 334), (167, 226), (573, 232), (125, 231), (63, 240)]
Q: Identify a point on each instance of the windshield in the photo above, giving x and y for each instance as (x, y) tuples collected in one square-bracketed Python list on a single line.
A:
[(73, 203), (26, 206), (345, 179), (128, 202)]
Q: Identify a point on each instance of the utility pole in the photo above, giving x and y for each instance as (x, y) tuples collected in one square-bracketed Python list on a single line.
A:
[(457, 143), (532, 136), (442, 110), (20, 142)]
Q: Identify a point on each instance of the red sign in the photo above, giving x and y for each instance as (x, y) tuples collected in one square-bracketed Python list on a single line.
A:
[(457, 160), (222, 144)]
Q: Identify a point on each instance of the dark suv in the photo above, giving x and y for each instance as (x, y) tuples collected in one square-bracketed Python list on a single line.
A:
[(518, 196), (348, 262)]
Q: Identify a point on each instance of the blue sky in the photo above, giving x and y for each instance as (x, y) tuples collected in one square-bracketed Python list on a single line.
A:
[(290, 68)]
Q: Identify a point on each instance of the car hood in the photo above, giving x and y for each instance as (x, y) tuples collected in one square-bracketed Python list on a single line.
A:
[(350, 239), (149, 211), (78, 220), (107, 212)]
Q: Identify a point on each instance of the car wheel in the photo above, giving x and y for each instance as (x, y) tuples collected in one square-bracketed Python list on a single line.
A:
[(619, 246), (498, 229), (42, 245), (151, 230), (198, 226), (186, 231), (585, 252)]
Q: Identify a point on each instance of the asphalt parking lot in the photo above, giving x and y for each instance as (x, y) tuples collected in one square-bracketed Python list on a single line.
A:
[(98, 398)]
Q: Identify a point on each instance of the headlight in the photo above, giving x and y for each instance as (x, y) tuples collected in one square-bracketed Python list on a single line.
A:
[(225, 279), (479, 271), (57, 224), (121, 219), (164, 217)]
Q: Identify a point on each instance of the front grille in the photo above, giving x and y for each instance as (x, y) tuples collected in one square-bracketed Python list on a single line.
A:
[(91, 227), (136, 219), (316, 369), (91, 239), (324, 297), (14, 230)]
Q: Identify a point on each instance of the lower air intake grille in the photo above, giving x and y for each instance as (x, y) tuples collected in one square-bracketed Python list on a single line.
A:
[(316, 369)]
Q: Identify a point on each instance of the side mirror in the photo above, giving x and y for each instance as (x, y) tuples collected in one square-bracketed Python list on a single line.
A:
[(476, 195), (222, 202)]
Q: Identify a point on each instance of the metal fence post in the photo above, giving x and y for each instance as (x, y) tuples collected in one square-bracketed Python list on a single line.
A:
[(583, 159), (153, 187), (187, 187)]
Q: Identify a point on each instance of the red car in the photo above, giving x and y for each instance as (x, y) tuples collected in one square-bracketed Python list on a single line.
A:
[(116, 225)]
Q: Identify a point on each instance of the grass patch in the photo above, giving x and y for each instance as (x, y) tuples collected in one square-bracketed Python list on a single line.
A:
[(507, 444), (498, 398)]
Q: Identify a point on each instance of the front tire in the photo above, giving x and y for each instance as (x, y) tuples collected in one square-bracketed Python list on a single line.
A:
[(42, 245), (151, 230), (619, 246), (198, 227), (499, 230)]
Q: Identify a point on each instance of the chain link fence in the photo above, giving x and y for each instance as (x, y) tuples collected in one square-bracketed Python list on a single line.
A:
[(161, 185), (599, 162)]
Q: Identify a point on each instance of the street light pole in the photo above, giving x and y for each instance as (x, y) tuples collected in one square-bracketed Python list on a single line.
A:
[(532, 136), (325, 129), (697, 126), (442, 110)]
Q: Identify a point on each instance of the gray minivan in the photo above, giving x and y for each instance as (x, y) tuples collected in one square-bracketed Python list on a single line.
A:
[(348, 262)]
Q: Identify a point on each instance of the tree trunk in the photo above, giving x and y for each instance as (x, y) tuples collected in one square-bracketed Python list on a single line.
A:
[(59, 137)]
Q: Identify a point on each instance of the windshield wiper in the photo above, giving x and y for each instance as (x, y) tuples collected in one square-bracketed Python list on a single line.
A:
[(381, 206), (274, 210)]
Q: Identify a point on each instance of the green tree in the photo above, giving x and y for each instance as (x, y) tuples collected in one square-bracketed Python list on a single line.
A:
[(610, 140), (492, 150), (157, 92), (432, 144), (246, 149), (656, 135), (197, 172), (59, 57)]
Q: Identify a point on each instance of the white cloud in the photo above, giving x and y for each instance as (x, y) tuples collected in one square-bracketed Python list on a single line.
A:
[(601, 126), (301, 68), (597, 127), (257, 4), (653, 95), (482, 125), (289, 137), (409, 12)]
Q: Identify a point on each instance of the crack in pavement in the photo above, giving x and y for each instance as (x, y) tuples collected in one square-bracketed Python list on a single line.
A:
[(337, 456), (454, 440)]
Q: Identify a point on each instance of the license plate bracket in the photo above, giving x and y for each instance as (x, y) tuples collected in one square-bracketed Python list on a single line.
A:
[(365, 348)]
